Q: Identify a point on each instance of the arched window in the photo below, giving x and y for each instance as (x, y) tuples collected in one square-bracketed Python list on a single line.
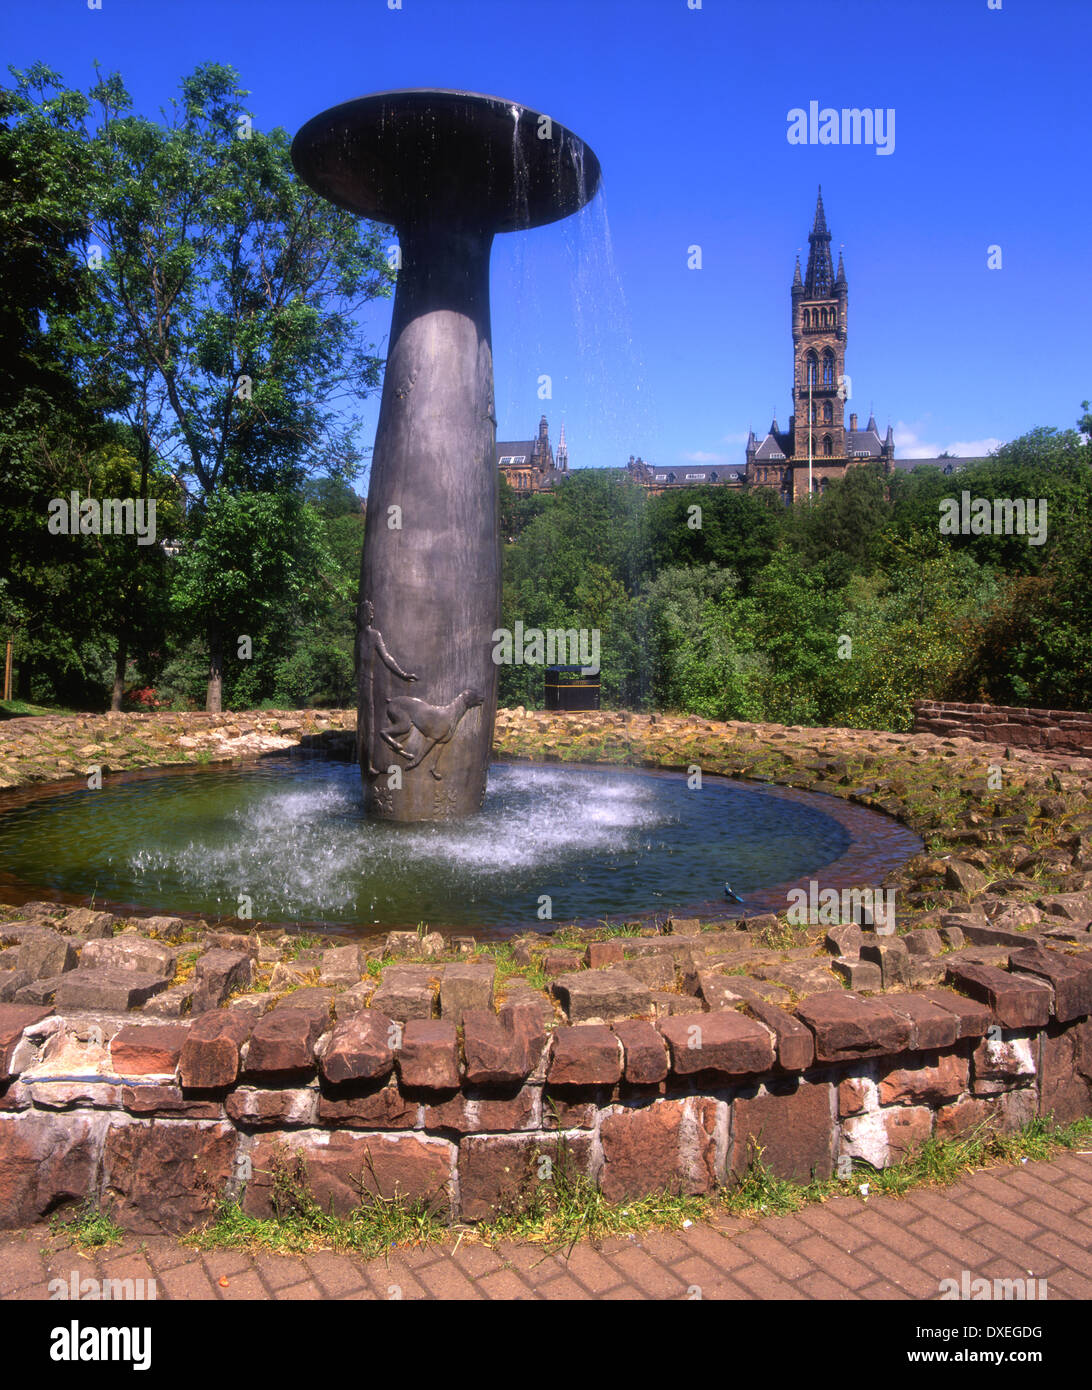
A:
[(828, 413), (828, 446), (828, 369), (807, 318), (813, 369), (814, 419)]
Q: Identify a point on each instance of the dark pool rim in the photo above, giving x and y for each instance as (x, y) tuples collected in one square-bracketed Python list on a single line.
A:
[(867, 859)]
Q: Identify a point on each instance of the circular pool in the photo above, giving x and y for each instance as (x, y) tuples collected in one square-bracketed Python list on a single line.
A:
[(286, 840)]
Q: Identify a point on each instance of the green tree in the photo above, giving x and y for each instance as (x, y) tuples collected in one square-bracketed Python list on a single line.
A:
[(739, 529), (257, 556), (223, 322)]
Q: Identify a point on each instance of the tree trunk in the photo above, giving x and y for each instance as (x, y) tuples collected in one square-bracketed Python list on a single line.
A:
[(216, 671), (121, 659)]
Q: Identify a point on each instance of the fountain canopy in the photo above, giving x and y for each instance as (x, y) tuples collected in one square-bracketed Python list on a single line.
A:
[(456, 156)]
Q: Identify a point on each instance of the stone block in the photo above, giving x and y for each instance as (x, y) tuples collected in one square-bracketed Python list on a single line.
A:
[(428, 1058), (166, 1177), (367, 1105), (209, 1059), (38, 992), (499, 1173), (255, 1107), (341, 965), (925, 1078), (786, 1125), (795, 1044), (282, 1043), (645, 1056), (864, 976), (1065, 1072), (475, 1111), (667, 1146), (961, 1117), (725, 1043), (601, 996), (168, 1102), (891, 955), (1016, 1000), (844, 940), (586, 1055), (47, 1162), (338, 1166), (1074, 907), (930, 1025), (857, 1094), (45, 954), (559, 961), (466, 987), (107, 990), (924, 941), (999, 1064), (602, 953), (1069, 976), (846, 1026), (172, 1003), (973, 1019), (495, 1055), (407, 992), (89, 923), (144, 1050), (14, 1020), (964, 878), (360, 1048), (217, 974), (130, 951), (655, 970)]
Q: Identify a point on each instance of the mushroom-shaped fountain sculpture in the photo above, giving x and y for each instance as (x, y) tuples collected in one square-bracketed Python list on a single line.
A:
[(448, 170)]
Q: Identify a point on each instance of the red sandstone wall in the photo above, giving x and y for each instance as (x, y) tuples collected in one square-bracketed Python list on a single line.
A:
[(854, 1078), (1053, 730)]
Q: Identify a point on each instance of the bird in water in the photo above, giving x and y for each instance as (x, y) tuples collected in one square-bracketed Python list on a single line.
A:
[(730, 893)]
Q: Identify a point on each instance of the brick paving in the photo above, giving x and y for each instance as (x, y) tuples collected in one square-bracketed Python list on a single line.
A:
[(1032, 1220)]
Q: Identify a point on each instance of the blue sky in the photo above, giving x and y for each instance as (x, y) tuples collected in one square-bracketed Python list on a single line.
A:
[(687, 110)]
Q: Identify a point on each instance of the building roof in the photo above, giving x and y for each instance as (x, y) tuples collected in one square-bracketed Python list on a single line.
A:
[(775, 446), (516, 448), (863, 443), (693, 477)]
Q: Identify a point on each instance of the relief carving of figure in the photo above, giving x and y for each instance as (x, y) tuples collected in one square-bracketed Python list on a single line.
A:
[(371, 646), (435, 723)]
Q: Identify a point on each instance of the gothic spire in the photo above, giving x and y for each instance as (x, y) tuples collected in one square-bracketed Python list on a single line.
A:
[(796, 280), (819, 280), (841, 277)]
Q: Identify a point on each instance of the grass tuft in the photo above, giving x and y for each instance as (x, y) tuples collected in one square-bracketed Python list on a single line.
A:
[(88, 1228)]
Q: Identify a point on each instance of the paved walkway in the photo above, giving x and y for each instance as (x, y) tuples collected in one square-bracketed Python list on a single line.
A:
[(1033, 1220)]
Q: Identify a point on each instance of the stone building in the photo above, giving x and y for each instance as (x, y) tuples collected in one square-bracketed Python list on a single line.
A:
[(530, 465), (820, 386)]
